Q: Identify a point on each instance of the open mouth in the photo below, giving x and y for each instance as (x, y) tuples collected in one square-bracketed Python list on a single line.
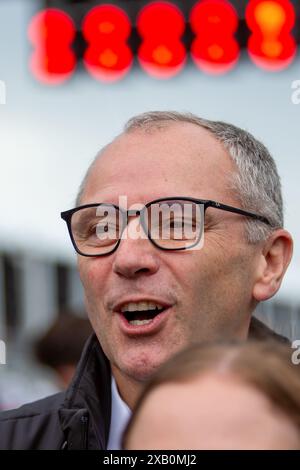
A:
[(143, 313)]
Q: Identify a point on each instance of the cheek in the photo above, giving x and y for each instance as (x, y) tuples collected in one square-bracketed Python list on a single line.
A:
[(211, 275), (92, 274), (93, 277), (196, 269)]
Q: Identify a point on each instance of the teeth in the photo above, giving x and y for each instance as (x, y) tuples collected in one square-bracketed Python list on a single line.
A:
[(140, 322), (140, 306), (152, 306)]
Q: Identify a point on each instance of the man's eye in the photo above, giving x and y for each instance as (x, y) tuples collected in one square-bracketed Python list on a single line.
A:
[(176, 223), (110, 230), (180, 223), (94, 230), (173, 222)]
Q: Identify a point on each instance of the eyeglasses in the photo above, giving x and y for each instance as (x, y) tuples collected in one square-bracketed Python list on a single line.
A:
[(173, 223)]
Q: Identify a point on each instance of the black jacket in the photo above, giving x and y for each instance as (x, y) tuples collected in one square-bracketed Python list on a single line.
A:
[(76, 419), (80, 417)]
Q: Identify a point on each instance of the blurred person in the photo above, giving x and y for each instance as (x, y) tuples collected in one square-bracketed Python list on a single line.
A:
[(233, 396), (59, 349), (149, 296), (61, 345)]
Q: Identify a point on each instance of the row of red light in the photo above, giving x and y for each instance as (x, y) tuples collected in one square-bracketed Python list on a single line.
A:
[(106, 29)]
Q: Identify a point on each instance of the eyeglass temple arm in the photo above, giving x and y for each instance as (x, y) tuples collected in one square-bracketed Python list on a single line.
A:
[(224, 207)]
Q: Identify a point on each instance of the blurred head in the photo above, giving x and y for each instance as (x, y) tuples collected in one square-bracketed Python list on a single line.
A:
[(189, 296), (226, 396), (61, 345)]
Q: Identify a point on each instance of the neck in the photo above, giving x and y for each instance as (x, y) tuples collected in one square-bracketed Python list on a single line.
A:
[(128, 388)]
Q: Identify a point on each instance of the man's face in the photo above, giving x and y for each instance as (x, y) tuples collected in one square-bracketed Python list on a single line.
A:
[(207, 294)]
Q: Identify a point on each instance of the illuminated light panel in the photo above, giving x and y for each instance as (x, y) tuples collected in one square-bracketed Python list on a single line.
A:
[(271, 45), (161, 25), (214, 22), (51, 33), (106, 29)]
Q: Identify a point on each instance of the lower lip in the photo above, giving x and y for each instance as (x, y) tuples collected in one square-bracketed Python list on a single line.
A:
[(149, 328)]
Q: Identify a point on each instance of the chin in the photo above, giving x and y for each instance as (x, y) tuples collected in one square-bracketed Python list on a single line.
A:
[(141, 369)]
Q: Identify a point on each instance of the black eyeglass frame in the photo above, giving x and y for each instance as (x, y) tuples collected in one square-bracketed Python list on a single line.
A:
[(67, 216)]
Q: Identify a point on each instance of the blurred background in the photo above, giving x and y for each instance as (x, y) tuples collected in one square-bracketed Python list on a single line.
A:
[(71, 74)]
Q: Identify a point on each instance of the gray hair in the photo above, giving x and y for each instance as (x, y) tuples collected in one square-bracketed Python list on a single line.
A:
[(256, 182)]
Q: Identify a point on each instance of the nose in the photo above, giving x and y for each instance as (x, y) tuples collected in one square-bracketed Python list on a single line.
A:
[(134, 258)]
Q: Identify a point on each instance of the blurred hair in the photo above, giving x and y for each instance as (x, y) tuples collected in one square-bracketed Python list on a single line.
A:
[(63, 342), (256, 182), (265, 365)]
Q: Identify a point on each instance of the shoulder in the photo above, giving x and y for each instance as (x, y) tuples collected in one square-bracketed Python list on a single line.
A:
[(35, 425)]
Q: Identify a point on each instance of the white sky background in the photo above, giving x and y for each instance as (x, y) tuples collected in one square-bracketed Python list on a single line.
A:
[(48, 135)]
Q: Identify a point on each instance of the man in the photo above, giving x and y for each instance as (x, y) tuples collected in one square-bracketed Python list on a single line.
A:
[(150, 296)]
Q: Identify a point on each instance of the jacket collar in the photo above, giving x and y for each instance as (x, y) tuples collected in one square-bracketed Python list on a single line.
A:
[(86, 411), (259, 331)]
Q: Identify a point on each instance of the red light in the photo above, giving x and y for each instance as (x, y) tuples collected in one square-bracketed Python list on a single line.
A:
[(271, 45), (161, 54), (215, 49), (106, 28), (51, 32)]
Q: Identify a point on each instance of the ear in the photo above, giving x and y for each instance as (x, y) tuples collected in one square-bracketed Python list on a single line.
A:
[(275, 256)]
